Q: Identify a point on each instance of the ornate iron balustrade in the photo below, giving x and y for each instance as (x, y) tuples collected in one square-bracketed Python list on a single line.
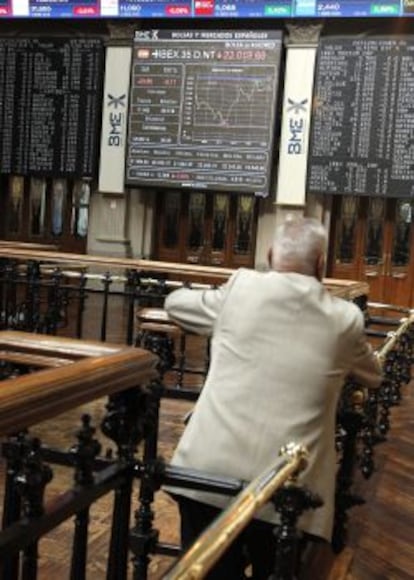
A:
[(72, 373), (268, 486), (62, 294), (49, 292), (39, 297), (75, 372), (363, 419), (363, 416)]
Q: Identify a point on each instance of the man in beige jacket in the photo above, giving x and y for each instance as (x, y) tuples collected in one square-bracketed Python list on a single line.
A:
[(281, 349)]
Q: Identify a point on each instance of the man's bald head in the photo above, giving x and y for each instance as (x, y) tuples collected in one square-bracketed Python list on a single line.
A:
[(299, 245)]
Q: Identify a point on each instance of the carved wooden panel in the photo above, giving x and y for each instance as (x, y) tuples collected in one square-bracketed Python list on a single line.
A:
[(373, 242), (45, 211), (216, 229)]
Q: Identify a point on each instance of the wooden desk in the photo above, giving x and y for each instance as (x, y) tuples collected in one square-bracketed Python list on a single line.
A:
[(348, 289)]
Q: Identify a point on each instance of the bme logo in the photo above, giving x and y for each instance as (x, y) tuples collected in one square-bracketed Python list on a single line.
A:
[(116, 102), (146, 34), (297, 107), (116, 119), (296, 125)]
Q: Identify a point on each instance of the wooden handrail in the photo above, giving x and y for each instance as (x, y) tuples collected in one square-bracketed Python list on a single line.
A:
[(188, 270), (348, 289), (28, 245), (98, 370), (32, 360), (46, 345)]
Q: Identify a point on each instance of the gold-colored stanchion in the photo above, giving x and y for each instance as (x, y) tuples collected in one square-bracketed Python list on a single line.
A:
[(205, 552)]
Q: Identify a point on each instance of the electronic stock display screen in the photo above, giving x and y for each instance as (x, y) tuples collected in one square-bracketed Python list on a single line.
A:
[(202, 109), (362, 135), (50, 105), (202, 9)]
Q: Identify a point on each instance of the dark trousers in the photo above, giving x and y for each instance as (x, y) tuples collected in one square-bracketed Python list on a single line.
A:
[(256, 545)]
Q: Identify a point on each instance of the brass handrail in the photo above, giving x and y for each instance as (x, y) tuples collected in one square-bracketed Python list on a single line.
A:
[(212, 543), (393, 337), (393, 307)]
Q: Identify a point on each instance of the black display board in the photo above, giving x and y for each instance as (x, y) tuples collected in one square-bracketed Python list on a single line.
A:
[(202, 109), (362, 137), (50, 105)]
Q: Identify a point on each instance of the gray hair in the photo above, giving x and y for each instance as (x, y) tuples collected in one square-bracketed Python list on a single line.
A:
[(297, 245)]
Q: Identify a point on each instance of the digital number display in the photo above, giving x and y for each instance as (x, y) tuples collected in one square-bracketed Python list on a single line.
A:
[(5, 8), (363, 119), (64, 8), (50, 105), (157, 8)]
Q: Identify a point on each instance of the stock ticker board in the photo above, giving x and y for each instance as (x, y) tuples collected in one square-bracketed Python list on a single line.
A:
[(50, 105), (202, 109), (362, 136), (205, 8)]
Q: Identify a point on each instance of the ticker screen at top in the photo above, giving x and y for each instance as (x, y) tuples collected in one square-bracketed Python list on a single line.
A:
[(64, 8), (5, 8), (202, 9)]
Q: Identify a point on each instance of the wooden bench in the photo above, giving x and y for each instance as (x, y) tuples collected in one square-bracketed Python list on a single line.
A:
[(157, 320), (156, 332)]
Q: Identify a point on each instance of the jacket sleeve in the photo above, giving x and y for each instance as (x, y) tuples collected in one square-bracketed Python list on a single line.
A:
[(365, 367), (196, 310)]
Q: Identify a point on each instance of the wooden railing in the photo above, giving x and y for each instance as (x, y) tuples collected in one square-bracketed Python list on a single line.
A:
[(48, 377), (50, 292), (172, 271), (76, 373), (100, 370), (175, 271), (37, 296)]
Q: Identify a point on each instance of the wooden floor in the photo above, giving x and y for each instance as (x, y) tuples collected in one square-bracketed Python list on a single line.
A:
[(381, 532)]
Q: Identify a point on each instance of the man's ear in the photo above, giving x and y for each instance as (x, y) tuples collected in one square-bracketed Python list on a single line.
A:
[(320, 267), (270, 257)]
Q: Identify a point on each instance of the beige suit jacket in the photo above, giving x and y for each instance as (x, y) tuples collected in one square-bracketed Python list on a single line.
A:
[(281, 348)]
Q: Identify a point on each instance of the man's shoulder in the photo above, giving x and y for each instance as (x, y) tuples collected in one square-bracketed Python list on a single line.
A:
[(346, 306), (349, 313), (245, 274), (254, 274), (246, 278)]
